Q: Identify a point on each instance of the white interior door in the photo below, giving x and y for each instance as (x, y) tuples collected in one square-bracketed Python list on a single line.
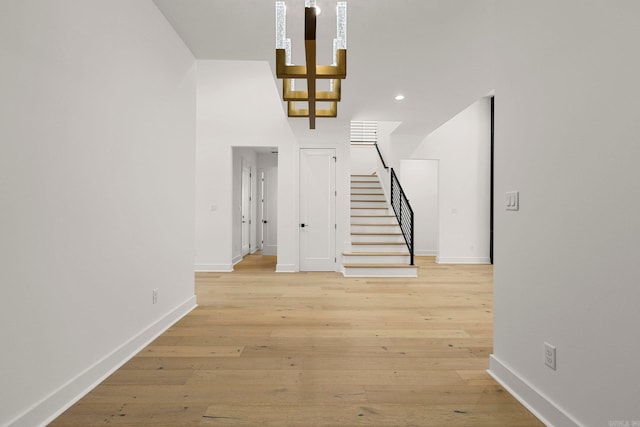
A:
[(270, 212), (246, 210), (317, 209)]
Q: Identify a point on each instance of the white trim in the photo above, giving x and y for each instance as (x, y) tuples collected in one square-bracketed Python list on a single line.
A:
[(463, 260), (69, 393), (236, 259), (534, 400), (426, 253), (213, 268), (286, 268)]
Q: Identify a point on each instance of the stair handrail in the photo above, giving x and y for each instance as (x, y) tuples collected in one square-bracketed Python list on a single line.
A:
[(380, 155)]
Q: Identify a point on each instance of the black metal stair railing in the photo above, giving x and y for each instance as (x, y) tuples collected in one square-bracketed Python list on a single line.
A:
[(403, 211), (401, 207)]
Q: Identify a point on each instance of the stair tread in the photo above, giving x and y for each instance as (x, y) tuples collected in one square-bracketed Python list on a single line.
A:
[(367, 194), (379, 266), (376, 253), (357, 207)]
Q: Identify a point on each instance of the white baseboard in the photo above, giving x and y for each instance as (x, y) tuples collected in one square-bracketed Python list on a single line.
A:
[(213, 268), (285, 268), (535, 401), (236, 259), (463, 260), (426, 253), (60, 400)]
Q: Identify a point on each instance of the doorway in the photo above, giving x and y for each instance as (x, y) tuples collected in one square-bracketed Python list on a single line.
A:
[(247, 194)]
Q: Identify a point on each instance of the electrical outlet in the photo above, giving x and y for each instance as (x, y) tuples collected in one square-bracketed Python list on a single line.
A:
[(155, 295), (550, 355)]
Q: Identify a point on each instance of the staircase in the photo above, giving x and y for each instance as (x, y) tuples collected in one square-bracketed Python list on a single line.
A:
[(378, 248)]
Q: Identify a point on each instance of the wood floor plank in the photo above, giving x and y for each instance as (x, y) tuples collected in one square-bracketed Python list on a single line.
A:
[(317, 349)]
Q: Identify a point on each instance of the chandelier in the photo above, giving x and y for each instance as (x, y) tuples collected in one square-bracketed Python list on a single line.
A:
[(311, 71)]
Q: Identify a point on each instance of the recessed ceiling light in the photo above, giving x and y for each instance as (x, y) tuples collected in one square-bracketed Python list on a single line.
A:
[(399, 97)]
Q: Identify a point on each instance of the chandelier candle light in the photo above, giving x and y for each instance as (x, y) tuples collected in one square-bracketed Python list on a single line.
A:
[(311, 71)]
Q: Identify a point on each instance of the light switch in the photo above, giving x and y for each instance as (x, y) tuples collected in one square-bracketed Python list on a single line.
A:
[(512, 202)]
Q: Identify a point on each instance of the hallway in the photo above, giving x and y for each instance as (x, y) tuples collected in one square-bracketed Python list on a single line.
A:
[(317, 349)]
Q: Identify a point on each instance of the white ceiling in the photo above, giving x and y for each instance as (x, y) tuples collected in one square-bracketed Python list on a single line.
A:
[(436, 52)]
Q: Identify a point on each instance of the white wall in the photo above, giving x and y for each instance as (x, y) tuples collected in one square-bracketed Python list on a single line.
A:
[(239, 106), (97, 180), (566, 264), (419, 180), (364, 159), (463, 148)]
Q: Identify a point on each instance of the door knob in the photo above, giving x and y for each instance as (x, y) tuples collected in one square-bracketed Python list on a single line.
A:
[(264, 221), (303, 225)]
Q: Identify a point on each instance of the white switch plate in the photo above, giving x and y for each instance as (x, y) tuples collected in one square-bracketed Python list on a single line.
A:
[(512, 200)]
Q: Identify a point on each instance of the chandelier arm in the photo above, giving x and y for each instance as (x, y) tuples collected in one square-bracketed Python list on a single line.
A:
[(310, 55)]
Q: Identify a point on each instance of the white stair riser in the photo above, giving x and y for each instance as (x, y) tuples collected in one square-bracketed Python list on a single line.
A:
[(377, 237), (373, 220), (380, 204), (371, 184), (369, 211), (376, 259), (373, 196), (378, 228), (381, 272), (378, 248), (367, 190), (359, 238), (364, 178)]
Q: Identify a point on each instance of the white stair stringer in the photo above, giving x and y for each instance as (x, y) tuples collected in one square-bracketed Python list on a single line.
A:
[(378, 248)]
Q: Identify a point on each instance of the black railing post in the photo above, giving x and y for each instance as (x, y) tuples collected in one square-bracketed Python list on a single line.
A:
[(412, 241)]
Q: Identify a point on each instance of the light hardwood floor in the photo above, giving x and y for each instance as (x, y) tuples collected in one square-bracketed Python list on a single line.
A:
[(317, 349)]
